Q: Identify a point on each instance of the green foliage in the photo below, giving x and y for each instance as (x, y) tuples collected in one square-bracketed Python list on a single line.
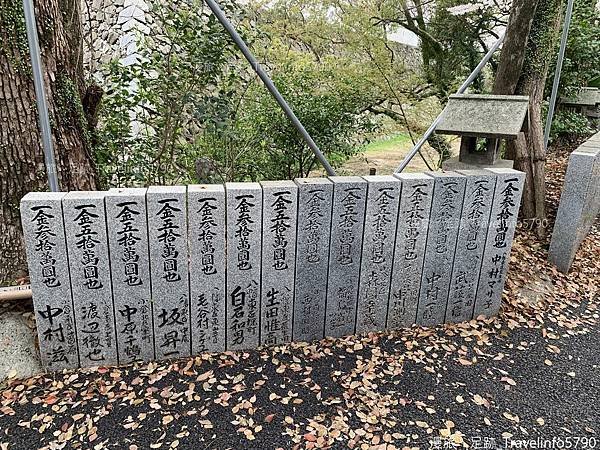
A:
[(69, 106), (154, 108), (442, 147), (193, 102), (328, 104), (569, 125), (390, 143), (459, 28), (120, 158), (353, 37), (453, 35), (581, 66)]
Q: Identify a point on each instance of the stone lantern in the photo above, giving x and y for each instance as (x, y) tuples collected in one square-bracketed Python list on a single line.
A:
[(483, 122)]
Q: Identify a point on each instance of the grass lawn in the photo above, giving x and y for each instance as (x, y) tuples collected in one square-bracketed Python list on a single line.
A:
[(385, 155), (390, 143)]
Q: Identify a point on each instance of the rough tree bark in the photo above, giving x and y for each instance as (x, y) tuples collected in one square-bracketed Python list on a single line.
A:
[(22, 166), (524, 62)]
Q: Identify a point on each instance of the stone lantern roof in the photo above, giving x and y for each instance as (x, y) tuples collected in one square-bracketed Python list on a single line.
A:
[(485, 116)]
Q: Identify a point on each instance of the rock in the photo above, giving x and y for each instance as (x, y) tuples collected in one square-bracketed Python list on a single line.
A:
[(18, 355), (411, 237), (444, 222), (501, 230), (381, 217), (477, 207), (112, 38), (130, 268), (44, 231)]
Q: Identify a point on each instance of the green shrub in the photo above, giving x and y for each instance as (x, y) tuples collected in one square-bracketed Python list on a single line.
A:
[(153, 109), (191, 105), (569, 125)]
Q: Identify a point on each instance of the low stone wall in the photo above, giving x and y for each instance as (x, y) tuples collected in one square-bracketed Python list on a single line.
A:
[(136, 274), (579, 204)]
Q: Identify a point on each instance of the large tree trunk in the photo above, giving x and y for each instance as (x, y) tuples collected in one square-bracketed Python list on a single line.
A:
[(22, 166), (530, 40), (515, 46)]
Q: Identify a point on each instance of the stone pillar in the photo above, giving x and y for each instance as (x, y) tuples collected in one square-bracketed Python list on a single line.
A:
[(315, 196), (409, 253), (167, 235), (206, 227), (503, 221), (127, 228), (476, 209), (244, 232), (446, 208), (381, 218), (280, 216), (87, 247), (579, 205), (44, 235), (347, 225)]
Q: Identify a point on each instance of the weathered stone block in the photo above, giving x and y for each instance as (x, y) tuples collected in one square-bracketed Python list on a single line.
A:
[(18, 355), (315, 196), (383, 199), (44, 235), (579, 205), (477, 205), (503, 221), (347, 225), (244, 247), (167, 236), (89, 264), (280, 215), (446, 208), (411, 236), (127, 228), (206, 227)]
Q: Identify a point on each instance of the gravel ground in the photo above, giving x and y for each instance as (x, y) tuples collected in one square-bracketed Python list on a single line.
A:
[(531, 373)]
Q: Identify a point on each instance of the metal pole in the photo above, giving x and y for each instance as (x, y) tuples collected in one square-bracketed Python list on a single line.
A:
[(40, 94), (559, 64), (214, 6), (461, 90)]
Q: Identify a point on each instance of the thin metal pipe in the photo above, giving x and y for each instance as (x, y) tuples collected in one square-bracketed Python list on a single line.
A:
[(216, 9), (461, 90), (40, 94), (559, 64)]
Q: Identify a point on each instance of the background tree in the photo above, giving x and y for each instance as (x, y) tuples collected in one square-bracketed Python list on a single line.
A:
[(22, 166), (530, 43), (453, 35), (195, 102), (346, 36), (581, 66)]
